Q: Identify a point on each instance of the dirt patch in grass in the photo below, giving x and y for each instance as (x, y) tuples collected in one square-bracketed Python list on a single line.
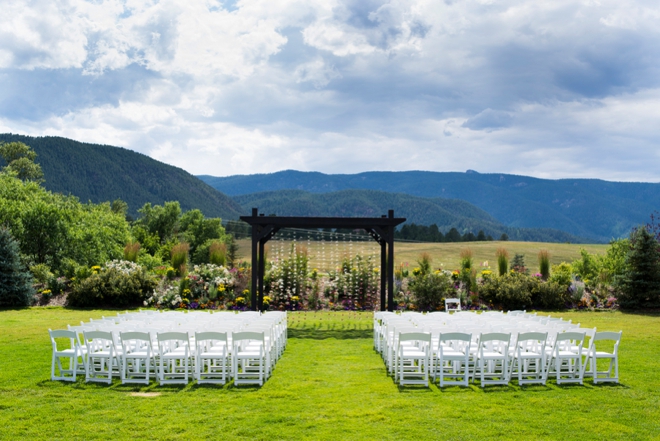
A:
[(145, 394)]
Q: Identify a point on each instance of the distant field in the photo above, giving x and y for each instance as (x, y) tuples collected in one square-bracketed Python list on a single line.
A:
[(445, 255)]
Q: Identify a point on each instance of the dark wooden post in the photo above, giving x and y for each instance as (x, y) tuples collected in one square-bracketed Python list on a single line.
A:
[(390, 263), (383, 275), (255, 270)]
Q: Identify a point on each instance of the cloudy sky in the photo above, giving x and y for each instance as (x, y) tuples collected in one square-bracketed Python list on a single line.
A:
[(547, 88)]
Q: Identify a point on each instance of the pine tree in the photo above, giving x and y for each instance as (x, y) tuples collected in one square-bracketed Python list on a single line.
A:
[(640, 285), (15, 282)]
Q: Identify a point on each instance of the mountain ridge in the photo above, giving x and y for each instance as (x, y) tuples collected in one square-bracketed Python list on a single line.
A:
[(100, 173), (591, 208)]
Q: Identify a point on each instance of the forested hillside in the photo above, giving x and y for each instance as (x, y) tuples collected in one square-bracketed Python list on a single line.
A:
[(101, 173), (591, 208), (445, 213)]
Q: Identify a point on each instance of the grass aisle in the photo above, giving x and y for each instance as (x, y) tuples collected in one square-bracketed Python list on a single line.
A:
[(329, 384)]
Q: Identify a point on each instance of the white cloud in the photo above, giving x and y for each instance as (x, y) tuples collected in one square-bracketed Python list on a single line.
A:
[(554, 88)]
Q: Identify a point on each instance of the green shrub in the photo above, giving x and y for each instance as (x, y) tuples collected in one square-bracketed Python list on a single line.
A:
[(149, 262), (212, 251), (562, 274), (550, 295), (119, 284), (502, 261), (15, 282), (544, 264), (511, 291), (430, 290), (180, 258), (466, 259), (41, 273), (57, 285), (131, 251)]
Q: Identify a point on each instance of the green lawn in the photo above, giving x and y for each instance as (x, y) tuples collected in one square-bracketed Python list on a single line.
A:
[(330, 384)]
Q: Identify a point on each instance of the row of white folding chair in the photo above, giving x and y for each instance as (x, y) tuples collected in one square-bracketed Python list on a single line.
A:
[(173, 360), (525, 354)]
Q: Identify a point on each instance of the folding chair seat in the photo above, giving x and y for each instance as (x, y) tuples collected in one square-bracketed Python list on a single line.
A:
[(493, 358), (452, 358), (249, 359), (529, 362), (103, 359), (413, 358), (72, 352), (138, 358), (174, 357), (212, 360), (566, 362), (614, 338)]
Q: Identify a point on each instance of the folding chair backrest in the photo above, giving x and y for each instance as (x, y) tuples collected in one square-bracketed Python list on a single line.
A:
[(495, 336), (539, 336), (211, 335), (247, 335), (62, 333), (98, 335), (415, 336), (608, 335), (455, 336), (571, 335)]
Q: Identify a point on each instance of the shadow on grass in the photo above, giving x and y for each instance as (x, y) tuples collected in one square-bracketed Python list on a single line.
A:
[(323, 334)]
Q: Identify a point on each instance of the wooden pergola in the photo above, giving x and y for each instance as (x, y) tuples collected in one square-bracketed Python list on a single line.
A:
[(381, 229)]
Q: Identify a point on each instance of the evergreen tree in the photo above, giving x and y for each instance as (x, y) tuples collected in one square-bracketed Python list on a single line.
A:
[(518, 264), (453, 236), (504, 237), (481, 236), (640, 285), (15, 282)]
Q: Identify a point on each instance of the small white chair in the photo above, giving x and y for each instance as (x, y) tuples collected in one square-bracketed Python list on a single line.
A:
[(452, 358), (529, 358), (493, 358), (174, 357), (249, 361), (72, 352), (212, 360), (613, 357), (102, 357), (413, 358), (566, 362), (138, 357), (452, 305)]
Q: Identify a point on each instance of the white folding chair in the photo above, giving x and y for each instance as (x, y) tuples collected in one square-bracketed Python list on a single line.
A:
[(529, 358), (493, 358), (212, 360), (614, 338), (71, 352), (249, 362), (413, 356), (174, 357), (138, 357), (452, 304), (452, 358), (566, 362), (103, 359)]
